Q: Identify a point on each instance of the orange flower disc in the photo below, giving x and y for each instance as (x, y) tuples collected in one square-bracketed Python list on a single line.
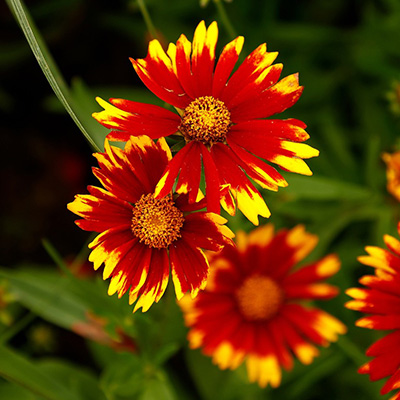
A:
[(156, 222), (259, 297), (206, 120)]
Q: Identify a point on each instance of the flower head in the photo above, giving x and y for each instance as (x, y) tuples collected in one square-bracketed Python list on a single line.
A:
[(252, 308), (140, 235), (393, 173), (221, 116), (381, 301)]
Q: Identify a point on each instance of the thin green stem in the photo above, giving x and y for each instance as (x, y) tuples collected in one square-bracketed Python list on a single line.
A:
[(225, 19), (47, 64), (56, 256), (19, 326), (147, 19), (84, 252), (351, 351)]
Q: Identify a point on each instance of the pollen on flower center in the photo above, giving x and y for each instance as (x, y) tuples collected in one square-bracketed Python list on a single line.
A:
[(206, 120), (259, 297), (156, 222)]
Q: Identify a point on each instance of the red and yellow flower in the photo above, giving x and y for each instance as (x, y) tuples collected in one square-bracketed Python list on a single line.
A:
[(221, 116), (142, 236), (253, 308), (393, 173), (381, 301)]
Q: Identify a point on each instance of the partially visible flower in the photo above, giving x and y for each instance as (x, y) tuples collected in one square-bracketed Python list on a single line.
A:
[(381, 301), (253, 307), (393, 173), (221, 118), (140, 235)]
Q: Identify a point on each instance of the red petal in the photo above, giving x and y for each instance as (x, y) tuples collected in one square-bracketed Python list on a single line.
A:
[(203, 57), (264, 81), (381, 322), (273, 129), (392, 383), (388, 344), (203, 230), (189, 177), (383, 366), (183, 65), (110, 245), (156, 281), (167, 180), (139, 119), (129, 271), (117, 176), (212, 181), (157, 73), (386, 286), (316, 291), (147, 159), (226, 62), (248, 71), (189, 268), (248, 199), (259, 171), (317, 271), (100, 213), (271, 101), (303, 320), (284, 356)]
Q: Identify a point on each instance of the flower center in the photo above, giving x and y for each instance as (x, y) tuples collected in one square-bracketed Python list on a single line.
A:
[(156, 222), (259, 298), (206, 120)]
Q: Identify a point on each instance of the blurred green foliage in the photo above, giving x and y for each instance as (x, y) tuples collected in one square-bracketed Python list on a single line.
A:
[(348, 57)]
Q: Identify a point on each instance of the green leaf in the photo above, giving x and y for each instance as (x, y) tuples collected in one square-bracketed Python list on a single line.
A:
[(130, 376), (158, 389), (321, 188), (44, 295), (18, 369), (78, 380), (11, 391)]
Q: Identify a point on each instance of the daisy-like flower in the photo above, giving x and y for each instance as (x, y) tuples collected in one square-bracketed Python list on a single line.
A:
[(393, 173), (221, 118), (141, 236), (253, 308), (381, 301)]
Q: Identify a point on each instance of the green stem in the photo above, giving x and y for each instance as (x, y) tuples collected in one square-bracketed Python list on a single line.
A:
[(147, 19), (17, 327), (84, 252), (225, 19), (351, 351), (47, 64), (56, 257)]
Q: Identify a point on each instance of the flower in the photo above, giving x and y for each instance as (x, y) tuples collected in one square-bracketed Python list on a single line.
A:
[(381, 300), (140, 236), (393, 173), (221, 120), (252, 308)]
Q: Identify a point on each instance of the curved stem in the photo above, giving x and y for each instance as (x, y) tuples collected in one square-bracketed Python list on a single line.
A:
[(48, 65), (225, 19), (19, 326), (147, 19)]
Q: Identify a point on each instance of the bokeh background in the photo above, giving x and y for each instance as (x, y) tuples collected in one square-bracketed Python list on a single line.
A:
[(347, 53)]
